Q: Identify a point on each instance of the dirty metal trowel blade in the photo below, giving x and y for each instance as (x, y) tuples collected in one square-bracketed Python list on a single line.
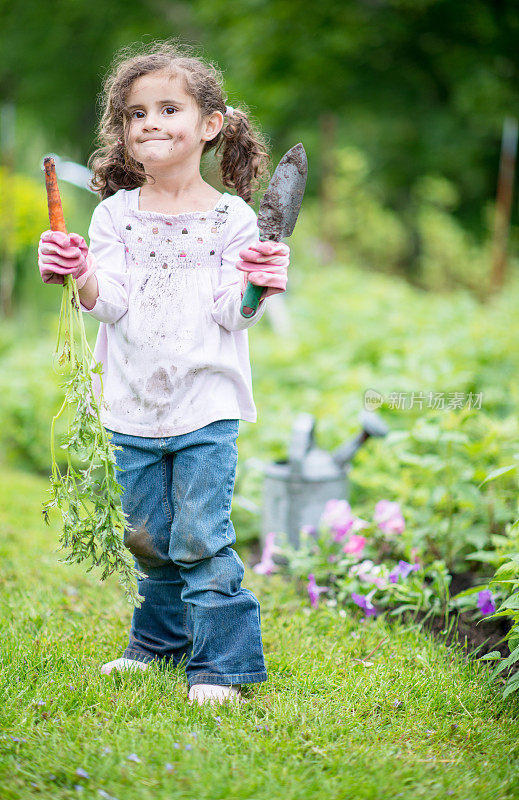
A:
[(281, 202)]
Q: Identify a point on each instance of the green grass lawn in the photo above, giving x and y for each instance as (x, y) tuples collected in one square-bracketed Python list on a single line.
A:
[(411, 720)]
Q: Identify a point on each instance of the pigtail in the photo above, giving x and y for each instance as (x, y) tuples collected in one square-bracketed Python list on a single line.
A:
[(112, 166), (244, 156)]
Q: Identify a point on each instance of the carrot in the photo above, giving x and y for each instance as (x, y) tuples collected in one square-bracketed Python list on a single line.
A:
[(56, 218)]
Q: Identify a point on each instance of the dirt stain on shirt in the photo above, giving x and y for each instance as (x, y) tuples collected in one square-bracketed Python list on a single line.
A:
[(159, 384)]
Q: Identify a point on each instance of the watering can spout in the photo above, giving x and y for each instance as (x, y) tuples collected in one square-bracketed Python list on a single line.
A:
[(372, 425)]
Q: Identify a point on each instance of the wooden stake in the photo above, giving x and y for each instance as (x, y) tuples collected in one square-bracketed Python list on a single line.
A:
[(505, 189)]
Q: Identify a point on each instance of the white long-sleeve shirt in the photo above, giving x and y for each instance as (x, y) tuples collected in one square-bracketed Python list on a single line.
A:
[(172, 342)]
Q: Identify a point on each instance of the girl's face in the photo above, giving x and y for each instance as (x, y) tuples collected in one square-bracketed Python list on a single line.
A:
[(164, 127)]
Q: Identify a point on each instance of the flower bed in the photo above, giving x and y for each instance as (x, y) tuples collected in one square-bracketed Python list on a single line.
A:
[(347, 561)]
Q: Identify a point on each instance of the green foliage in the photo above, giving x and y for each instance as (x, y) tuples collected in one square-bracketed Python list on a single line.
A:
[(436, 473), (29, 394), (356, 218), (56, 80), (505, 556), (23, 211), (22, 218), (421, 87), (367, 229)]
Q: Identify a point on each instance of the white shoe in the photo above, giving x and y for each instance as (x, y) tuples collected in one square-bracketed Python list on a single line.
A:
[(122, 664), (212, 693)]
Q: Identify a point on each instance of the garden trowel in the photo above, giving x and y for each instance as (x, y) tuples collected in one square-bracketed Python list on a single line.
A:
[(278, 212)]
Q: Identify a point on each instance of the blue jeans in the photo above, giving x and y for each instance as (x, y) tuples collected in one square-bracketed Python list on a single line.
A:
[(177, 498)]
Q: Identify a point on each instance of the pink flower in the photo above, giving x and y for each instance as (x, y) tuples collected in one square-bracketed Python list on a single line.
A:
[(355, 544), (388, 517), (314, 590), (266, 566), (338, 517)]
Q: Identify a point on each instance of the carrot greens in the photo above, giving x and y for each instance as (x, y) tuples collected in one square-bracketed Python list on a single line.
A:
[(86, 491)]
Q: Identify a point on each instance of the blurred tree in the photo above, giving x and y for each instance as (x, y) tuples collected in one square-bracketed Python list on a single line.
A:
[(54, 56), (421, 85)]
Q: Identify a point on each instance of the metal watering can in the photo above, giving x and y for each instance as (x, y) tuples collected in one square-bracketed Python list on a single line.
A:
[(295, 491)]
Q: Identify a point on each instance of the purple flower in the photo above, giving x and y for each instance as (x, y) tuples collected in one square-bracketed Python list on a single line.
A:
[(169, 767), (364, 602), (134, 757), (314, 590), (81, 773), (486, 602), (402, 570), (388, 517), (308, 530), (266, 566)]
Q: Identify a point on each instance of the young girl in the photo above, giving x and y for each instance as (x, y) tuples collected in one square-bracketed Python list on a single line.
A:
[(164, 274)]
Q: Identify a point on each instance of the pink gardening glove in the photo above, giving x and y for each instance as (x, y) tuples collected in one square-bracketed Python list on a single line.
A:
[(61, 254), (265, 264)]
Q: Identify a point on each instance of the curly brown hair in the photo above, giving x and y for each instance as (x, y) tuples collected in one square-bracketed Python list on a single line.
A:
[(241, 149)]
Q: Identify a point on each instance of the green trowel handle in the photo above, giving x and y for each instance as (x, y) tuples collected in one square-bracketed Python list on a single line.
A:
[(251, 298)]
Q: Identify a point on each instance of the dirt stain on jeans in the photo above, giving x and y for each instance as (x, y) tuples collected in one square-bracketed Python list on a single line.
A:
[(140, 543)]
